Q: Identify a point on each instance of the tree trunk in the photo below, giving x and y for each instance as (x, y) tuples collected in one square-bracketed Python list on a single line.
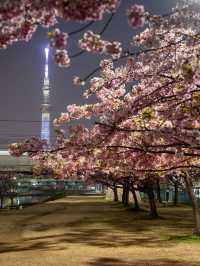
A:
[(11, 202), (115, 193), (126, 194), (2, 198), (152, 203), (189, 186), (153, 208), (136, 204), (123, 193), (175, 193), (158, 191)]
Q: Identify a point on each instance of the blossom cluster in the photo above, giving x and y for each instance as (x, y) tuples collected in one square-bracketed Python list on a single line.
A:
[(92, 42), (78, 81), (62, 58), (136, 16), (17, 149), (30, 146), (58, 41), (147, 39), (84, 10)]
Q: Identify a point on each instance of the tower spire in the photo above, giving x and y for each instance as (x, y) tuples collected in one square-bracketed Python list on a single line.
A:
[(45, 127)]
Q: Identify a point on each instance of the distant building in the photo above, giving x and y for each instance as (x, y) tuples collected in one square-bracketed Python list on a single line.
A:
[(10, 164)]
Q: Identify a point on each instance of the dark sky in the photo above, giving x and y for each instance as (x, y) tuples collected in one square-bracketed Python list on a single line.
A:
[(22, 72)]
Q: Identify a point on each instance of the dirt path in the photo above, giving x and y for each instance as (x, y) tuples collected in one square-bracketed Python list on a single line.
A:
[(88, 231)]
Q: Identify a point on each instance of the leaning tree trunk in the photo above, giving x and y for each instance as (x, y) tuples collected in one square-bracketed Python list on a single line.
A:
[(116, 198), (189, 186), (136, 203), (152, 204)]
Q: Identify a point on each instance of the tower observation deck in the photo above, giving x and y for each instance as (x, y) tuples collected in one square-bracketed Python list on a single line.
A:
[(45, 127)]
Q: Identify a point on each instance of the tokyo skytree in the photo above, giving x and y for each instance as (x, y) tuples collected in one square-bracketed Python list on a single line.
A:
[(45, 127)]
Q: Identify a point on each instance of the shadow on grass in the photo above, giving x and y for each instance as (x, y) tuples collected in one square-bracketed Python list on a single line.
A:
[(159, 262), (96, 223), (44, 246), (92, 238)]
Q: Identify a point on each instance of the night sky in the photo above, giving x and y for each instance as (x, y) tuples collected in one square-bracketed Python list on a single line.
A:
[(22, 73)]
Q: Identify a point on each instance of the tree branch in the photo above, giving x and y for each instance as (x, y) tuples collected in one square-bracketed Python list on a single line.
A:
[(86, 26), (81, 29), (146, 150)]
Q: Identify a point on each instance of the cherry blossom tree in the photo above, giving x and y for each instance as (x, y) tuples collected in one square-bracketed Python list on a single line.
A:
[(147, 109)]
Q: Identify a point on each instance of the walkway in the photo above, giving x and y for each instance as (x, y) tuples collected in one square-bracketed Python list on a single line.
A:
[(88, 231)]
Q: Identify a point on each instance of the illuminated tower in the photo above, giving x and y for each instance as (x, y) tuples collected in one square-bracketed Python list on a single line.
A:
[(45, 128)]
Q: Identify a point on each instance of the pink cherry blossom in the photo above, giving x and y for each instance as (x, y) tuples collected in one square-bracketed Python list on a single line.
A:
[(58, 39), (62, 58), (92, 42), (136, 16)]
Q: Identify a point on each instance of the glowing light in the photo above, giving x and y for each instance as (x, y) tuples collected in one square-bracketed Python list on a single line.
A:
[(47, 52), (46, 71)]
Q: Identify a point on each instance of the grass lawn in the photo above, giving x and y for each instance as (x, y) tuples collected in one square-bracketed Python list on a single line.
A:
[(89, 231)]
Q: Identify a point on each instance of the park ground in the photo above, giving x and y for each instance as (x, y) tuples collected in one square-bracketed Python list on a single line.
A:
[(90, 231)]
